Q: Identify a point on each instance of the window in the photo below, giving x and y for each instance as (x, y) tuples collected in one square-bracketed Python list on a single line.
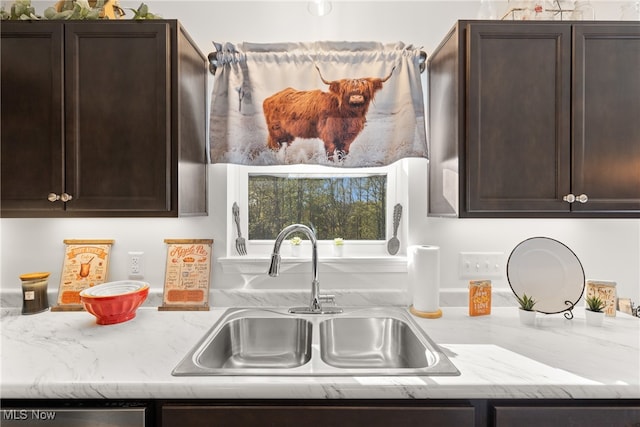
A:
[(352, 207), (354, 204)]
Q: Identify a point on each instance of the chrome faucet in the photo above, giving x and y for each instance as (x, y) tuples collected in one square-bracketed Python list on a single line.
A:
[(315, 304)]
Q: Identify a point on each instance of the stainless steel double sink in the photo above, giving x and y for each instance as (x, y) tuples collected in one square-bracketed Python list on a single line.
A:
[(357, 342)]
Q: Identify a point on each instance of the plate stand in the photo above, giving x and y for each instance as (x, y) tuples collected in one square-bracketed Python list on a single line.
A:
[(568, 313)]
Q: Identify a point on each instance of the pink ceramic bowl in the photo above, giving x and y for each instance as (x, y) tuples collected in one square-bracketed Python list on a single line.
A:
[(114, 302)]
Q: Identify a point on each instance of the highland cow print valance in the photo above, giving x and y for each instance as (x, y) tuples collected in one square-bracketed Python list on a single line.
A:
[(331, 103)]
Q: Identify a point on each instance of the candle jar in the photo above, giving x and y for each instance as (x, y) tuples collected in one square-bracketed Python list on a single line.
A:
[(34, 293)]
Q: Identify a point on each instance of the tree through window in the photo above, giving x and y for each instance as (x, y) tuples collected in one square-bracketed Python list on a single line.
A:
[(350, 207)]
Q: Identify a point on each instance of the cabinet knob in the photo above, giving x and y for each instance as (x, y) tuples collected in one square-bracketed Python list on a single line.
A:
[(53, 197), (582, 198), (571, 198)]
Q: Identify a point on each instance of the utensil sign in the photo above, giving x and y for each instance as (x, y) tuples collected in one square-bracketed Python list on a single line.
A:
[(187, 274)]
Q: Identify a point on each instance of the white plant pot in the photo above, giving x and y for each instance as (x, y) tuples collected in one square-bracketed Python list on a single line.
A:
[(295, 250), (338, 250), (594, 318), (527, 317)]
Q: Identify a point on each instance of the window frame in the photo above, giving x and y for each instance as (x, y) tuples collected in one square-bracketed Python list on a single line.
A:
[(397, 192)]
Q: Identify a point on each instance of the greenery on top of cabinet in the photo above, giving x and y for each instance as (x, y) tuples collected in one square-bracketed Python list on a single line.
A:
[(22, 10)]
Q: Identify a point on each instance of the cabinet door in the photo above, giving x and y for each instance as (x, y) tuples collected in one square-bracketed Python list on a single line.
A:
[(118, 133), (31, 116), (569, 415), (606, 117), (315, 416), (518, 109)]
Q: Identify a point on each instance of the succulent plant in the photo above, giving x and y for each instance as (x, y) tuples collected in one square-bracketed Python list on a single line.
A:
[(142, 12), (594, 303), (526, 303), (20, 10), (75, 9)]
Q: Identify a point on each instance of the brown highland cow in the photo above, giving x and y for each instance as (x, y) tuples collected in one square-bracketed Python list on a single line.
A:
[(336, 117)]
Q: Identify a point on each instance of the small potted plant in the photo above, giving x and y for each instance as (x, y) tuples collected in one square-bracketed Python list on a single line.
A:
[(338, 246), (295, 246), (594, 311), (526, 312)]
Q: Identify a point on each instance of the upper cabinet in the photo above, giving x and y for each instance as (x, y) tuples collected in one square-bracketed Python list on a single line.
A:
[(535, 119), (102, 118)]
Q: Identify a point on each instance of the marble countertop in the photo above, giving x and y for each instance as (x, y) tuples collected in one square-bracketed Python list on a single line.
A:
[(67, 355)]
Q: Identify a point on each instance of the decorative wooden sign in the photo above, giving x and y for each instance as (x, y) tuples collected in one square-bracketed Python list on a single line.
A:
[(187, 274), (479, 297), (86, 264), (606, 291)]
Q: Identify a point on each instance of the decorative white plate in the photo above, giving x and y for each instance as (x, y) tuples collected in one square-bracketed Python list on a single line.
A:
[(547, 271)]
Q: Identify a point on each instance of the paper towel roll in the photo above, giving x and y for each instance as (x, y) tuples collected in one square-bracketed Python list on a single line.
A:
[(424, 278)]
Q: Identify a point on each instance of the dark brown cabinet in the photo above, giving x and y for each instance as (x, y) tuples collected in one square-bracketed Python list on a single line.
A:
[(351, 412), (561, 414), (102, 118), (291, 413), (535, 119), (418, 412)]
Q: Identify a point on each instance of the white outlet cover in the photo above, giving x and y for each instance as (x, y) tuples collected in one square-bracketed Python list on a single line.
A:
[(136, 269), (481, 265)]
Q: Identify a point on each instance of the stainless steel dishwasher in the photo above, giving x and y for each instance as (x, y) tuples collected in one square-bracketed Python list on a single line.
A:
[(68, 416)]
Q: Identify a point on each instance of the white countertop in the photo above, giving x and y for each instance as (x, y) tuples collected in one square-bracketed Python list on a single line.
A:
[(67, 355)]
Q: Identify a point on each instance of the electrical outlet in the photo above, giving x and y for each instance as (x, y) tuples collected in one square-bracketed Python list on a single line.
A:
[(481, 265), (135, 265)]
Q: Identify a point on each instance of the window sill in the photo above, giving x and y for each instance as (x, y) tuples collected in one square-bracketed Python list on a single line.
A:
[(295, 265)]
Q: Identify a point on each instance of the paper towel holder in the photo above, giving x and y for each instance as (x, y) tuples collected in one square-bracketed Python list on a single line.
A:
[(425, 314), (424, 280)]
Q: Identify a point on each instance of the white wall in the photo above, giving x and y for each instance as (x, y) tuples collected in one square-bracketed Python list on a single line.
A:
[(608, 249)]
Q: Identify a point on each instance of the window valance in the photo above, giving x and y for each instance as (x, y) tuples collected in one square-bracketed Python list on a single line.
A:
[(348, 104)]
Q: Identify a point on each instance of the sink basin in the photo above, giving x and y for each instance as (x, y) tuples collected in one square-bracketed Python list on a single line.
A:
[(378, 342), (253, 342), (357, 342)]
